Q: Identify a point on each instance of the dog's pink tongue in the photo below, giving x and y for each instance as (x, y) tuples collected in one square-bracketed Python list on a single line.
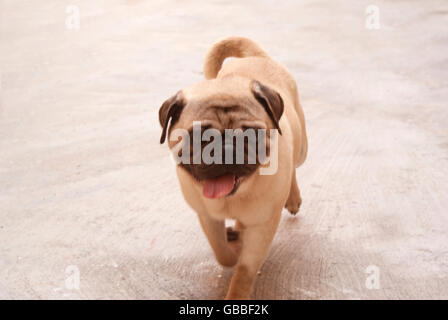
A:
[(218, 187)]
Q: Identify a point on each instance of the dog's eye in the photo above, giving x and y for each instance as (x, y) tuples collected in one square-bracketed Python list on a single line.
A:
[(206, 127), (203, 128), (244, 128)]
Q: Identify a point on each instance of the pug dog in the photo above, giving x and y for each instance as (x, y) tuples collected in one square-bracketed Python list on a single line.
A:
[(249, 92)]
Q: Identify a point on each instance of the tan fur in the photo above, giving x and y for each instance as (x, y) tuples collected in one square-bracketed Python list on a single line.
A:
[(229, 47), (258, 203)]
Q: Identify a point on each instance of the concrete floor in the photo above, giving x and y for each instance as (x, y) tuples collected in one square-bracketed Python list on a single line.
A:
[(85, 183)]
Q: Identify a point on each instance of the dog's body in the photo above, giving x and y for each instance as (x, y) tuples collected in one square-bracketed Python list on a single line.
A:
[(231, 98)]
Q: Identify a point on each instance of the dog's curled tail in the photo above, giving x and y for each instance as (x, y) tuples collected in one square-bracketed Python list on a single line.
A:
[(239, 47)]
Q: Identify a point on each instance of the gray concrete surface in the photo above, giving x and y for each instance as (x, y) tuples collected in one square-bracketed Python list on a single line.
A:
[(84, 182)]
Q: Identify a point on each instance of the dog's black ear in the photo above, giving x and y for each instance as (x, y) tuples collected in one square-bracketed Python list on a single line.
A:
[(271, 101), (170, 110)]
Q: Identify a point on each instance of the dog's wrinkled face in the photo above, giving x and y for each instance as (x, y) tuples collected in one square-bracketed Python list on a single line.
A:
[(221, 111)]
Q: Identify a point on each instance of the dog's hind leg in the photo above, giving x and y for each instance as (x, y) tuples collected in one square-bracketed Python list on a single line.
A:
[(294, 200), (256, 240), (216, 233), (233, 233)]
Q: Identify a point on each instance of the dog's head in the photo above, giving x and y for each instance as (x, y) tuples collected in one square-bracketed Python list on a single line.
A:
[(213, 115)]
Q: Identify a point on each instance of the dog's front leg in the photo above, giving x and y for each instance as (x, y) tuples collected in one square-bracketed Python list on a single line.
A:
[(216, 233), (256, 241)]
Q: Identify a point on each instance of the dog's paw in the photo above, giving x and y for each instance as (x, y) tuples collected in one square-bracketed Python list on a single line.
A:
[(237, 297), (293, 207)]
